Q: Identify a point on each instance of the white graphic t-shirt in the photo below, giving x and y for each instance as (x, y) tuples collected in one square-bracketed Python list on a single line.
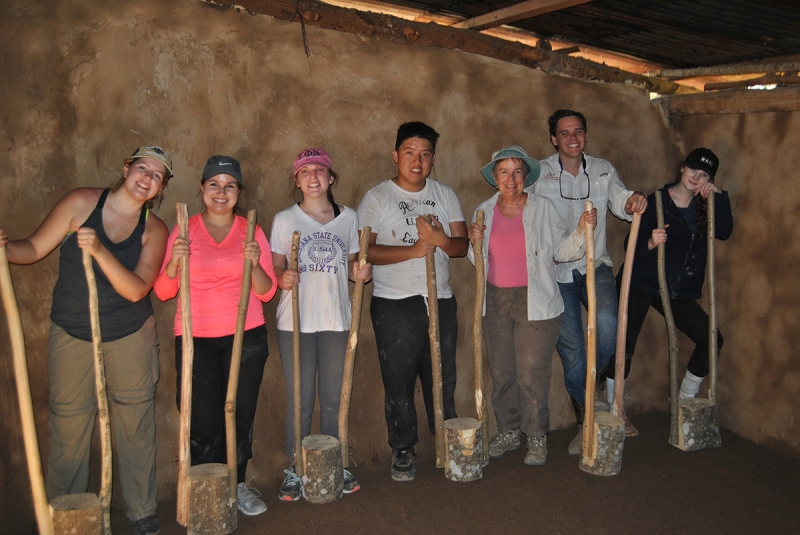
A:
[(322, 262), (392, 212)]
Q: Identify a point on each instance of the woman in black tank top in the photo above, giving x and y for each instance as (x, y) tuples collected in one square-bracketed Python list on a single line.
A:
[(127, 244)]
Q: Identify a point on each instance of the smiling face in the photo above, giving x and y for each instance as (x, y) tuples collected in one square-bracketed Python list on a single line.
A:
[(692, 179), (144, 178), (313, 180), (220, 193), (510, 177), (570, 138), (414, 159)]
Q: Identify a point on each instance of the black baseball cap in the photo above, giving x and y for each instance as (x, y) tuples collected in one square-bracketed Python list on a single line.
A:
[(703, 159), (223, 165)]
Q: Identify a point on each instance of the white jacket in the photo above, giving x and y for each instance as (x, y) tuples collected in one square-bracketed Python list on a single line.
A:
[(547, 240)]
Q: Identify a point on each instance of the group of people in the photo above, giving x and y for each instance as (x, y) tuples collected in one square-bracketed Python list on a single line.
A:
[(533, 241)]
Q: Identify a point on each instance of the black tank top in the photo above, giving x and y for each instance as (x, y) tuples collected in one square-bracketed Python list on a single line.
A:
[(118, 316)]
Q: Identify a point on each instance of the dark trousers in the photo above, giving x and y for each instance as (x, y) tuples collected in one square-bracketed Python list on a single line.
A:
[(690, 319), (404, 353), (211, 369)]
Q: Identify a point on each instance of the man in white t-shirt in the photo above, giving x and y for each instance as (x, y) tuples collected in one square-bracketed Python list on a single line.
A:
[(400, 240)]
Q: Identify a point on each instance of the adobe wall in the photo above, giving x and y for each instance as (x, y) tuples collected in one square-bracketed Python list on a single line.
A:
[(86, 82)]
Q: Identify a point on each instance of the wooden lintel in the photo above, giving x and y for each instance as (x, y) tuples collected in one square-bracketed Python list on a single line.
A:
[(389, 28), (732, 101), (739, 68), (521, 11)]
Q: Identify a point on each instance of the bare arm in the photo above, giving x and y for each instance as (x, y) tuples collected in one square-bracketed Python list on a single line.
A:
[(381, 255), (455, 245), (261, 282), (287, 278), (355, 272)]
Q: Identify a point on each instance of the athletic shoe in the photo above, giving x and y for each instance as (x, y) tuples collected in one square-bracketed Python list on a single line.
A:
[(291, 488), (403, 465), (630, 429), (148, 525), (249, 502), (577, 443), (350, 483), (537, 451), (505, 440)]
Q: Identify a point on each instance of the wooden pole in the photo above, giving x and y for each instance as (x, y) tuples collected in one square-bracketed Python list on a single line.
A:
[(236, 362), (352, 345), (22, 379), (100, 389), (298, 420), (712, 303), (673, 340), (589, 442), (187, 362), (477, 334), (436, 353), (622, 320)]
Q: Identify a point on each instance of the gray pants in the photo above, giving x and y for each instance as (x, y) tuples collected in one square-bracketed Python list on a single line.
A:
[(321, 366), (520, 360), (132, 371)]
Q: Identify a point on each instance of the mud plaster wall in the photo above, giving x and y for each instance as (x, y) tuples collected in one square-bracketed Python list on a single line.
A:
[(85, 82)]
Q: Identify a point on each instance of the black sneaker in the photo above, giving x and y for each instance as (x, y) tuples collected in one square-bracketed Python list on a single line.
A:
[(148, 525), (291, 488), (403, 465)]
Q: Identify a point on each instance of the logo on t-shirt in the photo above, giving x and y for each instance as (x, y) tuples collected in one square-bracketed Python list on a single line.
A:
[(322, 252)]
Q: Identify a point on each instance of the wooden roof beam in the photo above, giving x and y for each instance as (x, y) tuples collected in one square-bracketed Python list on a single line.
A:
[(521, 11), (785, 99), (765, 66)]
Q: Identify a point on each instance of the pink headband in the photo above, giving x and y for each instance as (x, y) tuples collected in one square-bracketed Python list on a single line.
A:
[(312, 157)]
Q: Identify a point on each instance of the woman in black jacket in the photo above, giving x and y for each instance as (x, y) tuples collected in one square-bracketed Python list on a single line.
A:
[(686, 247)]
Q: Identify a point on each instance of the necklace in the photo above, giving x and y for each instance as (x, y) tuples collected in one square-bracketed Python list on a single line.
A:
[(112, 222)]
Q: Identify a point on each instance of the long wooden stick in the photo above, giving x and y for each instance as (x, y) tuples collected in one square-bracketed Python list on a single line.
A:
[(298, 420), (352, 345), (712, 302), (100, 389), (436, 353), (622, 319), (477, 335), (672, 338), (236, 363), (28, 421), (589, 442), (187, 363)]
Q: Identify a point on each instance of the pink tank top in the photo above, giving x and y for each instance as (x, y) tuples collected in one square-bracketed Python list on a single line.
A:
[(507, 265)]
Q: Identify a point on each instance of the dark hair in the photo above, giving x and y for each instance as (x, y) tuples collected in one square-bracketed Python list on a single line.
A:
[(150, 203), (552, 121), (700, 205), (329, 192), (416, 129), (525, 167), (237, 209)]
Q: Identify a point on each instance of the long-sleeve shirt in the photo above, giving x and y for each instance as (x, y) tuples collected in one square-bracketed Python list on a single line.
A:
[(547, 238), (600, 181), (215, 279)]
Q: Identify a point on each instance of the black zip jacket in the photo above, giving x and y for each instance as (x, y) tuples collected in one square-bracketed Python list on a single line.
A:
[(686, 252)]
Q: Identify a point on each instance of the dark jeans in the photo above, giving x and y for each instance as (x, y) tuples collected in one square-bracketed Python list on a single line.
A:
[(211, 369), (404, 353), (690, 319)]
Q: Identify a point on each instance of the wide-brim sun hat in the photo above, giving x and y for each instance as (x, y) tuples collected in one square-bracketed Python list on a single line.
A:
[(512, 151)]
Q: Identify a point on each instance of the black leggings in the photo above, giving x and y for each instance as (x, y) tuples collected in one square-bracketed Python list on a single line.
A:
[(690, 319)]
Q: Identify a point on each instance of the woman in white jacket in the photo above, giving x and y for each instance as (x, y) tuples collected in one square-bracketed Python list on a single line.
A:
[(522, 310)]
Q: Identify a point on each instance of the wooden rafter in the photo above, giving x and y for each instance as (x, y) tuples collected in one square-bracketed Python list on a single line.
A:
[(385, 27), (790, 64), (521, 11)]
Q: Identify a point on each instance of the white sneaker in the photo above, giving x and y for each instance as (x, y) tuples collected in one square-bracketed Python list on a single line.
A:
[(249, 502)]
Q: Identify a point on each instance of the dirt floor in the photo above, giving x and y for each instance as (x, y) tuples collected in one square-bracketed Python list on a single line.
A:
[(739, 488)]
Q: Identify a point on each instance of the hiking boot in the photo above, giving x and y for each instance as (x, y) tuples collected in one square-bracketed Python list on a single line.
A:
[(577, 443), (403, 465), (630, 429), (505, 440), (292, 486), (249, 502), (148, 525), (537, 451), (350, 483)]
